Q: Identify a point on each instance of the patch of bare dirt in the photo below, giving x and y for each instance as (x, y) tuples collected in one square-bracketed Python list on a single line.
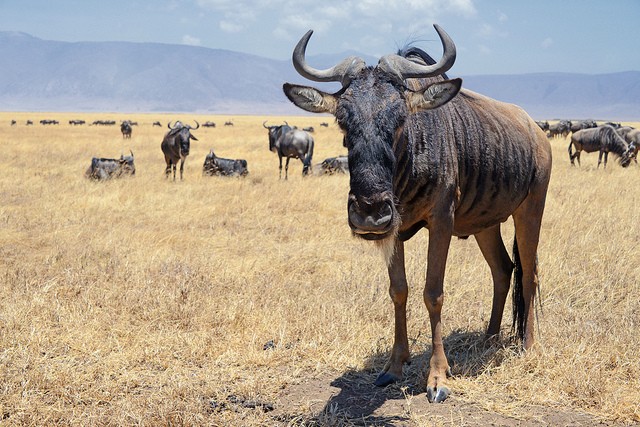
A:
[(352, 400)]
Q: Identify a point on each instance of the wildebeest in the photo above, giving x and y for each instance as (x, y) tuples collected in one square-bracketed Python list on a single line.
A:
[(209, 124), (229, 123), (76, 122), (104, 122), (175, 146), (13, 122), (332, 165), (577, 125), (425, 154), (29, 122), (157, 124), (309, 129), (290, 143), (544, 125), (102, 169), (324, 124), (214, 165), (125, 128), (633, 138), (602, 139), (49, 122), (560, 129)]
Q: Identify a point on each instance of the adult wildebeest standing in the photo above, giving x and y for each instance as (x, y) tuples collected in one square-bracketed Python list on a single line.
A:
[(176, 145), (603, 139), (125, 128), (425, 154), (102, 168), (633, 138), (290, 143), (214, 165), (560, 129)]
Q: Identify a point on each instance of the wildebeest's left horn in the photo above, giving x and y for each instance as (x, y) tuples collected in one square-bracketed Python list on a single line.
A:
[(169, 125), (264, 125), (197, 125), (131, 153), (343, 72), (406, 69)]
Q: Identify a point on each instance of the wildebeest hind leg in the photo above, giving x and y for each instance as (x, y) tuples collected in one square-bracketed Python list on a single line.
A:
[(496, 255), (286, 168), (527, 220), (398, 291)]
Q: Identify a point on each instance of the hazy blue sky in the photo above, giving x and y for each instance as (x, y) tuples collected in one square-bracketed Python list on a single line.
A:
[(492, 37)]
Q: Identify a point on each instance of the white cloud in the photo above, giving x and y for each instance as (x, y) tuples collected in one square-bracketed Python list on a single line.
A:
[(547, 43), (190, 40)]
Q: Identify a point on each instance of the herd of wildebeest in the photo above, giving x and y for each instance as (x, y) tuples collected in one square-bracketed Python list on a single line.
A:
[(290, 142), (285, 140)]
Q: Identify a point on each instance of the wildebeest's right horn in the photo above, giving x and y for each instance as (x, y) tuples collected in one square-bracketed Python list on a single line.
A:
[(406, 69), (197, 125), (264, 125), (343, 72)]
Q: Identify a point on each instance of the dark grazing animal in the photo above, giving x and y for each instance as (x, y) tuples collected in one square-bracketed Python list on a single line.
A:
[(333, 165), (102, 169), (577, 125), (544, 125), (176, 145), (290, 142), (309, 129), (209, 124), (125, 128), (559, 129), (633, 138), (157, 124), (425, 154), (76, 122), (13, 122), (214, 165), (602, 139)]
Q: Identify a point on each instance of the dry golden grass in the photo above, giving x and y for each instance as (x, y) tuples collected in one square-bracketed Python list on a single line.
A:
[(147, 302)]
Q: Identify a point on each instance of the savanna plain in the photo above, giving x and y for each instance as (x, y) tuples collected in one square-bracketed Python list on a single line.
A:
[(247, 302)]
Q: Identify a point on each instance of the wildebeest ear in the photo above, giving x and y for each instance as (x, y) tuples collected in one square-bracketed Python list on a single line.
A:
[(310, 99), (434, 96), (193, 137)]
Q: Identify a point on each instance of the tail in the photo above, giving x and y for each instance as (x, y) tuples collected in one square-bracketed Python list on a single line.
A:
[(570, 150), (308, 158), (518, 297)]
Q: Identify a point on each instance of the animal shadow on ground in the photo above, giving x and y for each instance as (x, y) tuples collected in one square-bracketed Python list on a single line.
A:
[(360, 402)]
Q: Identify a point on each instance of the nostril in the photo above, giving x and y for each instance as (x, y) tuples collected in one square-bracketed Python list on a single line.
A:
[(370, 217)]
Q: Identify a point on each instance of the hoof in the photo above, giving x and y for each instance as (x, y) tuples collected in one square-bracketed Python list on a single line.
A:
[(437, 395), (385, 378)]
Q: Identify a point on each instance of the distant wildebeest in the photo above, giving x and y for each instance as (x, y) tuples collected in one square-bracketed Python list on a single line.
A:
[(76, 122), (577, 125), (29, 122), (13, 122), (157, 124), (125, 128), (309, 129), (49, 122), (176, 145), (214, 165), (102, 169), (633, 138), (229, 123), (425, 154), (559, 129), (544, 125), (290, 143), (104, 122), (332, 165), (324, 124), (602, 139), (209, 124)]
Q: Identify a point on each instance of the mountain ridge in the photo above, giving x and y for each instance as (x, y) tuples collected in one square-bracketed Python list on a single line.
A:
[(44, 75)]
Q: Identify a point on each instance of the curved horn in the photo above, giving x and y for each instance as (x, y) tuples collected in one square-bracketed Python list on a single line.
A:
[(406, 69), (197, 125), (343, 72), (131, 152), (264, 125), (169, 125), (285, 122)]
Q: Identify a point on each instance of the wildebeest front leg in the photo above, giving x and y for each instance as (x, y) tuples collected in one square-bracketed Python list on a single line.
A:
[(181, 169), (496, 255), (439, 239), (398, 291), (286, 168), (280, 175)]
